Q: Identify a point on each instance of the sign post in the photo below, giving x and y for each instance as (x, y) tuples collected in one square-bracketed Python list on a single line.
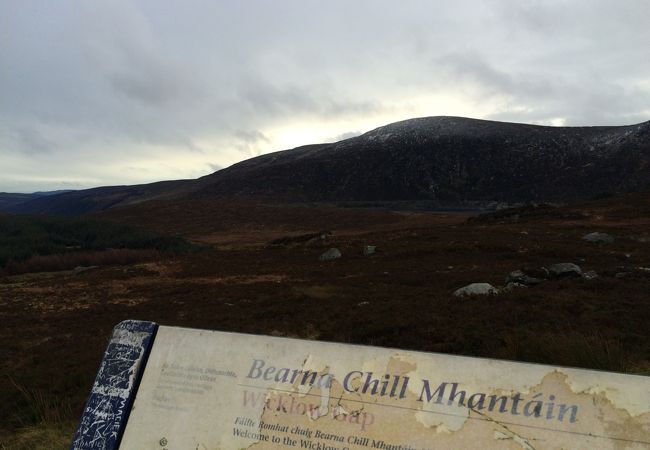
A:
[(168, 388)]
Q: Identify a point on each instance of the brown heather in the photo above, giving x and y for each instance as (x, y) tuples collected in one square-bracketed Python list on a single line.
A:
[(55, 325)]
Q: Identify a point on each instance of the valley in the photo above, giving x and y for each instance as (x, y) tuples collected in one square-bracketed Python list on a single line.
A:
[(55, 325)]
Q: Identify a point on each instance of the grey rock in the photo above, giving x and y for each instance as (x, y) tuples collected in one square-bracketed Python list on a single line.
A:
[(476, 289), (598, 238), (320, 238), (519, 277), (369, 249), (330, 255), (536, 272), (81, 269), (562, 270), (512, 285), (589, 275)]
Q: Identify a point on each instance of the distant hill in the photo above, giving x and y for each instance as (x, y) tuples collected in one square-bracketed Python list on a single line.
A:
[(9, 200), (445, 161), (98, 199)]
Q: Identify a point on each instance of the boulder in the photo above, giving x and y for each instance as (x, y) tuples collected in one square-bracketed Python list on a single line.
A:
[(565, 270), (330, 255), (598, 238), (519, 277), (476, 289), (369, 249)]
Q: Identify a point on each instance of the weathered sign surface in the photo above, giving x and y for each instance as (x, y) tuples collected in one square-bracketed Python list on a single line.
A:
[(209, 390)]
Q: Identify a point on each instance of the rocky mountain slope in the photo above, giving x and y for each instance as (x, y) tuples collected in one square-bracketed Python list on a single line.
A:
[(450, 160), (445, 161)]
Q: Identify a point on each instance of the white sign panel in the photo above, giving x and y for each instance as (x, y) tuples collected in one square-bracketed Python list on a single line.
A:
[(207, 390)]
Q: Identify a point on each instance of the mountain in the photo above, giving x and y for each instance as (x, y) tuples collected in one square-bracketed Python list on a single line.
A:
[(445, 161), (98, 199), (9, 200), (450, 160)]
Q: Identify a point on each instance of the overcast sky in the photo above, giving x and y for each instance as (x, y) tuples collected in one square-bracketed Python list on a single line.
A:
[(121, 92)]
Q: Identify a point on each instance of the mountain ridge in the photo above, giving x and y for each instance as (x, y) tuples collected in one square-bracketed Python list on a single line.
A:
[(444, 160), (444, 147)]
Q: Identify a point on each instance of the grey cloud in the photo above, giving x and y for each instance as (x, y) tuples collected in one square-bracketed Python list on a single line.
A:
[(339, 108), (140, 84), (249, 142), (143, 73), (537, 96), (33, 142), (343, 136), (215, 167), (149, 90), (251, 136), (470, 70), (269, 99), (246, 142), (291, 100)]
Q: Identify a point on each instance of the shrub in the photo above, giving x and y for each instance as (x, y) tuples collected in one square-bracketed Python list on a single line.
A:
[(29, 244)]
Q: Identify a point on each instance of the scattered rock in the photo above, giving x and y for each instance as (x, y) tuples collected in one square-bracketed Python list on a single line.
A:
[(476, 289), (81, 269), (321, 238), (589, 275), (330, 255), (598, 238), (536, 272), (519, 277), (512, 285), (565, 270), (512, 214), (369, 249), (621, 274), (302, 239)]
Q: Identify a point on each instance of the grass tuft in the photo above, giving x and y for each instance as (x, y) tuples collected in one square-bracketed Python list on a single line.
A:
[(562, 348), (46, 423)]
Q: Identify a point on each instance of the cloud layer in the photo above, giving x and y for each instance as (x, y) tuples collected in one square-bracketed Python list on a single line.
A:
[(114, 91)]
